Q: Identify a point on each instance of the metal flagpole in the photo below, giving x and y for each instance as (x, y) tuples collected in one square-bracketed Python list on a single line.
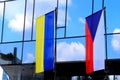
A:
[(66, 10), (92, 6), (105, 36)]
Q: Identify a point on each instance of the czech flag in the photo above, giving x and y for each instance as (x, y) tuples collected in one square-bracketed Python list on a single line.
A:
[(95, 42), (45, 42)]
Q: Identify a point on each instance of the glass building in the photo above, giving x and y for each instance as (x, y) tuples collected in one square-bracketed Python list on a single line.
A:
[(18, 38)]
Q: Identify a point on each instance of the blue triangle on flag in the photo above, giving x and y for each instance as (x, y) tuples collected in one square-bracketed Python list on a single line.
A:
[(93, 21)]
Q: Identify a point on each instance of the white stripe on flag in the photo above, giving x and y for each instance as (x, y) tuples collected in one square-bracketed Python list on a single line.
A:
[(99, 46)]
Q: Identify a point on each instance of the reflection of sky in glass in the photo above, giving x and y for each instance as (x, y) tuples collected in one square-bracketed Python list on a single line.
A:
[(78, 10), (29, 52), (9, 48), (113, 42), (97, 6), (112, 14), (71, 49), (13, 21)]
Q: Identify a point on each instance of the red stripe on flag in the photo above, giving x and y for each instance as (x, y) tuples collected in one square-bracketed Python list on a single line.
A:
[(89, 51)]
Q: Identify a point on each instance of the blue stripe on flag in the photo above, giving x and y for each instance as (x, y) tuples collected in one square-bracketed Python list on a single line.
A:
[(49, 41)]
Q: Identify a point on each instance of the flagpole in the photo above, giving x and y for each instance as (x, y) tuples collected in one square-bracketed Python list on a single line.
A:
[(102, 3), (56, 17), (92, 6), (66, 9), (105, 36), (105, 32)]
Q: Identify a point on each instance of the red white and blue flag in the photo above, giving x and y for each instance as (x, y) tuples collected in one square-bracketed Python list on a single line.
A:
[(95, 42)]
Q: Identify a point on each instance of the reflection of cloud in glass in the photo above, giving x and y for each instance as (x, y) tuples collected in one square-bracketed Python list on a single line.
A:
[(29, 58), (16, 24), (1, 9), (81, 20), (70, 52), (16, 17), (61, 17), (63, 2), (116, 40)]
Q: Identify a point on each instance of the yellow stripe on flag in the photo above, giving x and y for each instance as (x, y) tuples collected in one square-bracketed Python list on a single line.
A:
[(40, 44)]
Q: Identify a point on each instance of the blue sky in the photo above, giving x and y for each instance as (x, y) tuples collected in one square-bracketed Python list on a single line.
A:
[(77, 11)]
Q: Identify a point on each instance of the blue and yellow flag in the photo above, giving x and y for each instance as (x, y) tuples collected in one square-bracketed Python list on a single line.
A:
[(45, 42)]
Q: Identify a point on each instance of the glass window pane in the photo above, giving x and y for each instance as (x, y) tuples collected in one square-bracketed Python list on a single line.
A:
[(61, 12), (112, 15), (76, 21), (28, 21), (29, 52), (97, 5), (113, 45), (60, 33), (9, 55), (71, 50), (13, 24)]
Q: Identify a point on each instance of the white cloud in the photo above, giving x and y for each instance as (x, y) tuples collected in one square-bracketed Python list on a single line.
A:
[(63, 2), (1, 9), (15, 17), (117, 30), (61, 17), (116, 40), (70, 52), (16, 24), (44, 6), (30, 58), (111, 77), (81, 20), (13, 8), (52, 2)]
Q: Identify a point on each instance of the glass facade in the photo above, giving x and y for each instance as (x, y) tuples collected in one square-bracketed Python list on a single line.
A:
[(18, 31)]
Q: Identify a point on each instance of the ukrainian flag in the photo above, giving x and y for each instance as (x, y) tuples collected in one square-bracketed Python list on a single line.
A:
[(45, 42)]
